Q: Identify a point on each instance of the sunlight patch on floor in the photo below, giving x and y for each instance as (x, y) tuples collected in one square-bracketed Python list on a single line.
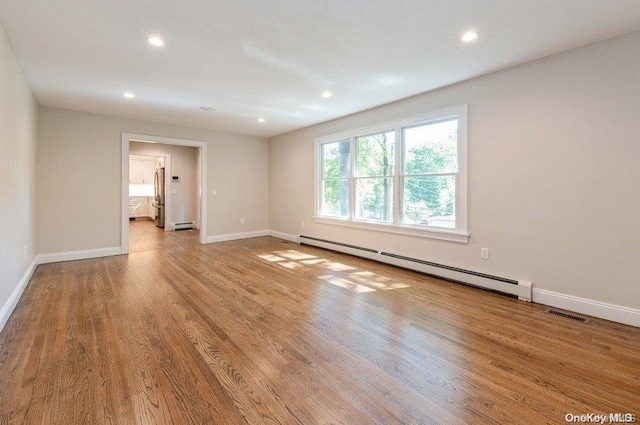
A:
[(291, 265), (377, 281), (337, 267), (315, 261), (292, 254), (270, 257), (358, 281), (346, 284)]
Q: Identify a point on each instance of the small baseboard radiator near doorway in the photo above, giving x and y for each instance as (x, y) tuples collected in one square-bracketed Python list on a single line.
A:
[(184, 226), (518, 288)]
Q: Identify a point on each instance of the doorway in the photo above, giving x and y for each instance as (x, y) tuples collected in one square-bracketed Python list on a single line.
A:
[(146, 185), (201, 183)]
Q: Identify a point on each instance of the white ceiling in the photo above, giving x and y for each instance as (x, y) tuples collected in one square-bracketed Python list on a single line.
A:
[(273, 58)]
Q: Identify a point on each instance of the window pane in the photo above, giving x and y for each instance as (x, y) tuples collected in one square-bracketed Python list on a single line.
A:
[(336, 159), (374, 199), (335, 198), (431, 148), (430, 201), (376, 154)]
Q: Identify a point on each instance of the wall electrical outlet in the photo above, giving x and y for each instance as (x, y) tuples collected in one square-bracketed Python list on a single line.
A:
[(242, 221), (24, 251), (484, 253), (302, 224)]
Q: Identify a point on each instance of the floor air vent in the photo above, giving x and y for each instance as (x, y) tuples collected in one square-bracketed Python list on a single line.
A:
[(566, 315)]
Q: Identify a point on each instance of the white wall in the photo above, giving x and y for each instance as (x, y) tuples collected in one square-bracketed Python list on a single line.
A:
[(79, 179), (18, 117), (554, 174), (184, 164)]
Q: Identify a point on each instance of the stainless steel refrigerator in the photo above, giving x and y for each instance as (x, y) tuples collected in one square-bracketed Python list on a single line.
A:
[(159, 203)]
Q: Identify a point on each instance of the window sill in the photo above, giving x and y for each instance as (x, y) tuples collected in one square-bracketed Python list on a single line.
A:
[(439, 234)]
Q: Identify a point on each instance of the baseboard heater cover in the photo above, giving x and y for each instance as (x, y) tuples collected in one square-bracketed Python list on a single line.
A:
[(184, 226), (519, 288)]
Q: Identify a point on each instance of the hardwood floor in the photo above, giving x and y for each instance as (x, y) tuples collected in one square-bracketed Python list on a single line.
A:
[(266, 331)]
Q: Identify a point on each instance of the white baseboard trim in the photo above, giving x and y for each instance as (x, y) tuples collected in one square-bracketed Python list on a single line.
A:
[(12, 302), (236, 236), (78, 255), (285, 236), (615, 313)]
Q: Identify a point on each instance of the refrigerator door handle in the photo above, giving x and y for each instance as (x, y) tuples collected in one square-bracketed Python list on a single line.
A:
[(155, 184)]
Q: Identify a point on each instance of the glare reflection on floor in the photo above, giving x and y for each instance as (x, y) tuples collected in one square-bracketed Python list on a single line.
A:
[(358, 281)]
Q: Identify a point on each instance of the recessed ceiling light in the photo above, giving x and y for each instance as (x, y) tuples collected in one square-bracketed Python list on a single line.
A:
[(469, 36), (326, 94), (155, 41), (261, 120), (129, 95), (208, 108)]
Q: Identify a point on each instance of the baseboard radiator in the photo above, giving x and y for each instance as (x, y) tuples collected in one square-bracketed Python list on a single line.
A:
[(184, 226), (518, 288)]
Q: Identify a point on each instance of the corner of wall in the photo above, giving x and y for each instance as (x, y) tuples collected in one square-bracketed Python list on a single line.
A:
[(18, 156)]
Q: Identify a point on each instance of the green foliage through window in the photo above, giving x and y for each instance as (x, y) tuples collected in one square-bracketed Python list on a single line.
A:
[(430, 167), (375, 159), (336, 170)]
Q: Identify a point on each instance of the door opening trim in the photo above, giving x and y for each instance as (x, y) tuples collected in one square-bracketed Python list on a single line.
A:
[(202, 156)]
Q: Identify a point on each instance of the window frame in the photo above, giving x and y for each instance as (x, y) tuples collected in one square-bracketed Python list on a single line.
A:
[(459, 234)]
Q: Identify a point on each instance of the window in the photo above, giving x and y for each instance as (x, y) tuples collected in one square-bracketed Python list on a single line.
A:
[(336, 170), (430, 168), (405, 177), (374, 176)]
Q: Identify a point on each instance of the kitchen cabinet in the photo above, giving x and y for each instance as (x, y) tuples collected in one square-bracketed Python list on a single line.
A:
[(148, 172), (142, 206), (134, 206), (138, 206), (135, 171), (142, 171)]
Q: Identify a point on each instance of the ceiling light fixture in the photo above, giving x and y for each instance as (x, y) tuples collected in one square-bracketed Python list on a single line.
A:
[(261, 120), (326, 94), (469, 36), (155, 41), (129, 95), (208, 108)]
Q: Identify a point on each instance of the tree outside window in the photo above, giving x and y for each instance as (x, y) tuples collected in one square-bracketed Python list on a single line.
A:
[(375, 160), (430, 170)]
